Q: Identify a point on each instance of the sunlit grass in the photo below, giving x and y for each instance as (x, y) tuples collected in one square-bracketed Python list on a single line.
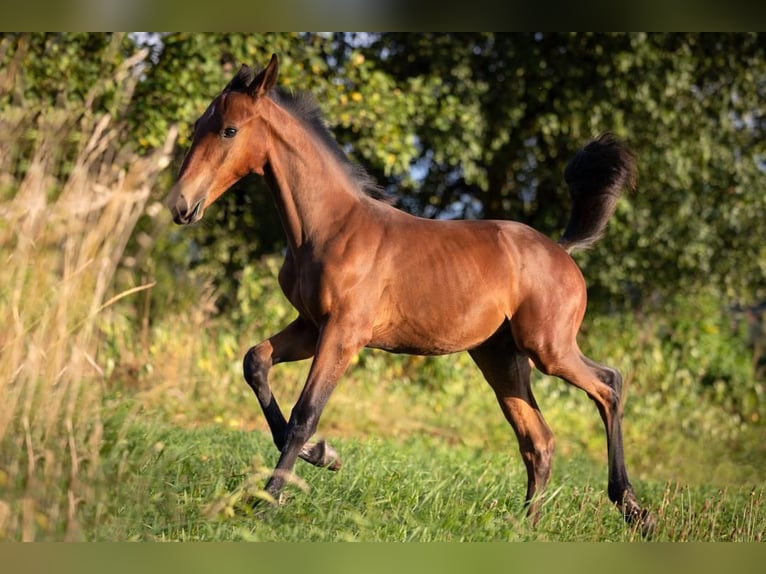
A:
[(196, 485)]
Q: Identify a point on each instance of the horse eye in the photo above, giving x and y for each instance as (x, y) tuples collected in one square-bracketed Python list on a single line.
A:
[(229, 132)]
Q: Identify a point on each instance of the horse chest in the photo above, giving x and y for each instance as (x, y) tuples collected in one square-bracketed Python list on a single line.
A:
[(308, 288)]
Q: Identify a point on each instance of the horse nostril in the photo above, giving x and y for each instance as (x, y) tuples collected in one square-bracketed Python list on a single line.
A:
[(197, 210), (184, 213), (179, 210)]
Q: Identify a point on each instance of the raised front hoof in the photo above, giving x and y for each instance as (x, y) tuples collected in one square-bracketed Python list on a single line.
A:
[(322, 455)]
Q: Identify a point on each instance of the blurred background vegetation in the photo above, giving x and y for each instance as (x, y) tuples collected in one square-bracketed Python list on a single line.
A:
[(108, 304), (462, 125)]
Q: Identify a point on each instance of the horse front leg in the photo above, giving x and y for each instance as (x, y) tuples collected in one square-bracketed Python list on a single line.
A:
[(294, 343), (333, 354)]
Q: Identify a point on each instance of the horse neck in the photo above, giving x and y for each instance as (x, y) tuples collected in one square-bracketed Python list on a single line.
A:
[(312, 190)]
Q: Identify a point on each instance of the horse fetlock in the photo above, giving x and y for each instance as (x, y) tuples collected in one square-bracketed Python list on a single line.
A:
[(620, 493), (274, 486)]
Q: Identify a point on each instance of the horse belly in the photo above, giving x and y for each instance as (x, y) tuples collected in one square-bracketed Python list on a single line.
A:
[(437, 324)]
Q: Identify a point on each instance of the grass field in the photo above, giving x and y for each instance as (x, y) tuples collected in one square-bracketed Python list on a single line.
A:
[(173, 484)]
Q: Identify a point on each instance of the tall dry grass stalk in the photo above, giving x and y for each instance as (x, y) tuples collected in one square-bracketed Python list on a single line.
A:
[(62, 235)]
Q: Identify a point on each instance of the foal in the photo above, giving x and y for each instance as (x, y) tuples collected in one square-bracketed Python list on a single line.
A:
[(361, 273)]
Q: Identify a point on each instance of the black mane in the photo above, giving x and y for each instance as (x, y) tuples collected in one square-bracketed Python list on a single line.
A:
[(304, 107)]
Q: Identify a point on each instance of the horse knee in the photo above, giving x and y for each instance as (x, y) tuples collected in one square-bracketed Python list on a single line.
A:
[(256, 366)]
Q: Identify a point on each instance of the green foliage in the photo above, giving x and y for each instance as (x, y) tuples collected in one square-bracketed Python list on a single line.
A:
[(75, 191), (60, 92), (466, 124), (54, 68)]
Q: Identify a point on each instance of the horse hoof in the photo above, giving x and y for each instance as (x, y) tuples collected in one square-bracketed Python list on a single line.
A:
[(322, 455), (648, 524), (330, 457), (641, 519)]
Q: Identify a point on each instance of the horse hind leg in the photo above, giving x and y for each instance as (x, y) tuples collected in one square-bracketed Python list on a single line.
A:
[(604, 386), (508, 372), (619, 488), (296, 342)]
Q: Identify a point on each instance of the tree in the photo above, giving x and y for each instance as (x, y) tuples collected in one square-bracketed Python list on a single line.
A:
[(482, 125), (42, 71), (508, 110)]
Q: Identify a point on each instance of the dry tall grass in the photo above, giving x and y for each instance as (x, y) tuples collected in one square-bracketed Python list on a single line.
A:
[(65, 220)]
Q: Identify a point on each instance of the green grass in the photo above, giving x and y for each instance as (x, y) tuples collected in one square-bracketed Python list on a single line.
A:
[(167, 483)]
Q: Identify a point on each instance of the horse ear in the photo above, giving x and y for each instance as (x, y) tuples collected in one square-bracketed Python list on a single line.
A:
[(241, 79), (265, 80)]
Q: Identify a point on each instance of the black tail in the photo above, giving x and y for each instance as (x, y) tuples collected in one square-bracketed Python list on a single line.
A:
[(596, 177)]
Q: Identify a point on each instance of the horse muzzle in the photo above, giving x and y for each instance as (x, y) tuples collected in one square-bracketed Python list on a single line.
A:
[(183, 211)]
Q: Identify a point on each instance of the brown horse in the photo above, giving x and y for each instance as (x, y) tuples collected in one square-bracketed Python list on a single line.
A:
[(361, 273)]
